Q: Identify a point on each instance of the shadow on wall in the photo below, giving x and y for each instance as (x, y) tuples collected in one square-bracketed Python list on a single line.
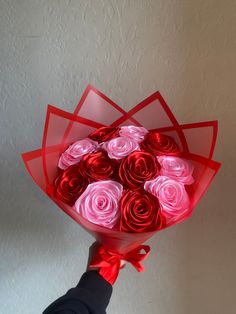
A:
[(207, 241), (33, 230)]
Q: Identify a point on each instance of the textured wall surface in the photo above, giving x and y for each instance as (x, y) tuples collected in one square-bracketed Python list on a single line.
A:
[(49, 52)]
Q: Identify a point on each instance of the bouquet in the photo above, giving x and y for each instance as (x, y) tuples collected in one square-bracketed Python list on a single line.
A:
[(123, 176)]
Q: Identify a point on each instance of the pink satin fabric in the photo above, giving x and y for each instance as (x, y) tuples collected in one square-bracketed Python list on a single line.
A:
[(100, 203)]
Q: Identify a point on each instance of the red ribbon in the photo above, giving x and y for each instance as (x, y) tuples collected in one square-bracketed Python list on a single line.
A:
[(109, 263)]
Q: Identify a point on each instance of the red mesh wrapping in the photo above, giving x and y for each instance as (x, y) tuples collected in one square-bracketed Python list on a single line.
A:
[(94, 110)]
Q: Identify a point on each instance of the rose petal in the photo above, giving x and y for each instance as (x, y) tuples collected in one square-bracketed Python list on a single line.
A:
[(100, 203)]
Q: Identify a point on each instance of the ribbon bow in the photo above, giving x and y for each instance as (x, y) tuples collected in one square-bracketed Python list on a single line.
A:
[(109, 262)]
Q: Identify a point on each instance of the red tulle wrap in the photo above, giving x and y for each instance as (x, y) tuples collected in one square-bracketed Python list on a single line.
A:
[(196, 142)]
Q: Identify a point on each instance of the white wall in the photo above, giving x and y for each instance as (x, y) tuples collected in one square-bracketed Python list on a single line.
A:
[(49, 52)]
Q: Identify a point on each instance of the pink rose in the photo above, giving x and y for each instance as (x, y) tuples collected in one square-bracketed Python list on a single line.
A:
[(120, 147), (135, 132), (76, 151), (172, 196), (100, 203), (176, 168)]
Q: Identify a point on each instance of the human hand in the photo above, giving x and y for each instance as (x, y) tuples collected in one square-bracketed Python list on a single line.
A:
[(93, 249)]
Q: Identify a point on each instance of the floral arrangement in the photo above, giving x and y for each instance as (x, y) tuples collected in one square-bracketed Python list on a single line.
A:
[(123, 176), (126, 178)]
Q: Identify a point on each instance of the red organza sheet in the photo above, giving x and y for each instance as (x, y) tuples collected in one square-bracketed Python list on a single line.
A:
[(196, 140)]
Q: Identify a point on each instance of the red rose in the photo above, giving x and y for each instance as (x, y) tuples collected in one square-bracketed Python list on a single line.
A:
[(98, 166), (137, 168), (104, 134), (69, 185), (160, 144), (140, 212)]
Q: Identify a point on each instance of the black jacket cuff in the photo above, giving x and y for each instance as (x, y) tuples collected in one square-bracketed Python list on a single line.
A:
[(99, 289)]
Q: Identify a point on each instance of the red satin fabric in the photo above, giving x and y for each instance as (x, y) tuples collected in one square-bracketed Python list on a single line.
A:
[(109, 263), (138, 167), (98, 166), (140, 212), (69, 185), (160, 144), (104, 134)]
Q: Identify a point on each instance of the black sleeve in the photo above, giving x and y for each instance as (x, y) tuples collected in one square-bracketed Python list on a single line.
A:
[(90, 296)]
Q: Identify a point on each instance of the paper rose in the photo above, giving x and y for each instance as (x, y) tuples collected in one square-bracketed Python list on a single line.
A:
[(76, 151), (140, 212), (100, 203), (160, 144), (135, 132), (173, 198), (176, 168), (120, 147)]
